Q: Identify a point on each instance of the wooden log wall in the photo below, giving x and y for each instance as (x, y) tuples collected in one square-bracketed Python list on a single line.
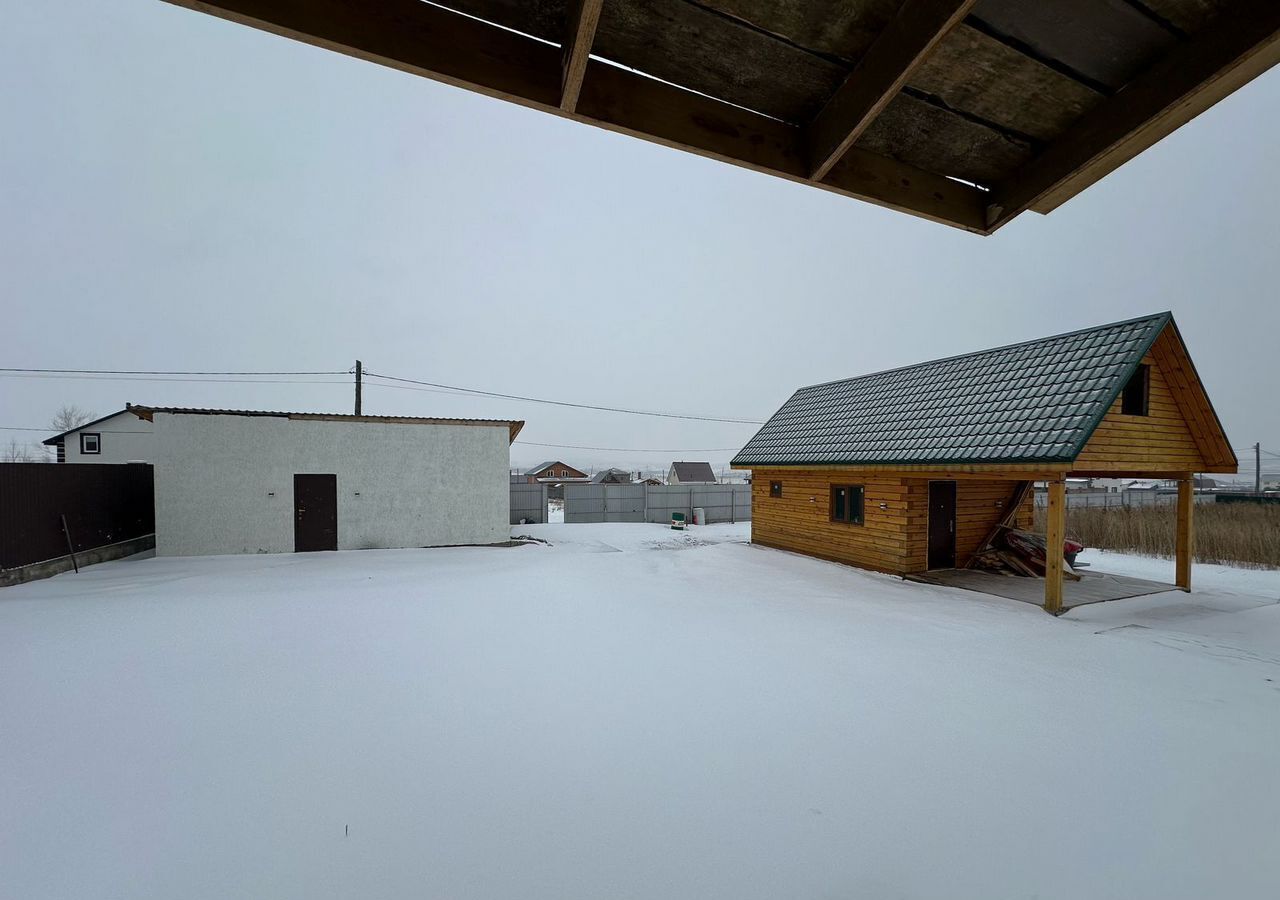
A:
[(1160, 442), (979, 506), (800, 520), (893, 538)]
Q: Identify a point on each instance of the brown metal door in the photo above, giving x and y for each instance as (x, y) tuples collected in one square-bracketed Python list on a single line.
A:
[(315, 512), (942, 524)]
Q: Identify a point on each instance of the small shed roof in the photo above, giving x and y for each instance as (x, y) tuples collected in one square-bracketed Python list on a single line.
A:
[(82, 426), (146, 412), (694, 472), (1033, 402), (967, 112)]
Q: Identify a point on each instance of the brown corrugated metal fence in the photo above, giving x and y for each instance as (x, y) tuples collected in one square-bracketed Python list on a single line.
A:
[(103, 504)]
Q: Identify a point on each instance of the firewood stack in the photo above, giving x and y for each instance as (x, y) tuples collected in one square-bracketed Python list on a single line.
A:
[(1015, 552)]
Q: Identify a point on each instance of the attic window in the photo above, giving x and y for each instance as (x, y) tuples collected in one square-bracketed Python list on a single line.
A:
[(90, 443), (1134, 400)]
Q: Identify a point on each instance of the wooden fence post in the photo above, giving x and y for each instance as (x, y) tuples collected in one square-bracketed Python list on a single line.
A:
[(70, 547)]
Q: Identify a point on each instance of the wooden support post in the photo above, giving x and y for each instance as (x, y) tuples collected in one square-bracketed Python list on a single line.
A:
[(1054, 536), (1186, 531)]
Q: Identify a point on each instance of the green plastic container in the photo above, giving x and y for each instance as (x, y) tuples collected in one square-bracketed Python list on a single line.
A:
[(677, 521)]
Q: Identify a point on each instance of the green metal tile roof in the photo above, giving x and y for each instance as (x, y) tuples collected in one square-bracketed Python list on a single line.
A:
[(1033, 402)]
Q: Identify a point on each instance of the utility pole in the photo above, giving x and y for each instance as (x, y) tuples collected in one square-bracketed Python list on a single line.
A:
[(1257, 467), (359, 373)]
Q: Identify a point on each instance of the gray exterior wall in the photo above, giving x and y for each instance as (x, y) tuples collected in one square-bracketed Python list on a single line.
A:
[(224, 484), (124, 438)]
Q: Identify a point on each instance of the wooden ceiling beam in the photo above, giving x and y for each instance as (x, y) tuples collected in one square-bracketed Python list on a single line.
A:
[(584, 16), (432, 42), (904, 44), (1190, 79)]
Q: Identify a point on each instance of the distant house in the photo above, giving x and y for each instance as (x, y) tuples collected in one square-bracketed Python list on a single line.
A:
[(119, 437), (611, 476), (553, 470), (691, 473)]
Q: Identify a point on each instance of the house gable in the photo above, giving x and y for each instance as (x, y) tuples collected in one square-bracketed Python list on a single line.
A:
[(555, 469), (1180, 432)]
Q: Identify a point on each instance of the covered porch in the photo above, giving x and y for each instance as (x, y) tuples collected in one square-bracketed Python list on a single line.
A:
[(1055, 592), (1093, 587)]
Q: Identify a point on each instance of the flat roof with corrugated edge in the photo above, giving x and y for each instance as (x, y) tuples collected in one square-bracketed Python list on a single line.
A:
[(145, 412)]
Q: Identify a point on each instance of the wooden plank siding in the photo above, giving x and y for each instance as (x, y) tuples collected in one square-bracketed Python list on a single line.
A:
[(1160, 442), (892, 539), (800, 519)]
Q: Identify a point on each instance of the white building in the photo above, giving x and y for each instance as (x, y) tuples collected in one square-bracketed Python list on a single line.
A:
[(234, 481), (120, 437)]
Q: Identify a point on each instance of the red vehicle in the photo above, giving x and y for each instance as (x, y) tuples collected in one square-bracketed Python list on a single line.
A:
[(1069, 550)]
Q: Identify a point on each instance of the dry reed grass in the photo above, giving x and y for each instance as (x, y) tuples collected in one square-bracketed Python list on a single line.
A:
[(1240, 534)]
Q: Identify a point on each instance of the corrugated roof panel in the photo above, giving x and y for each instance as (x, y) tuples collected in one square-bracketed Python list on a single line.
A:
[(1035, 402)]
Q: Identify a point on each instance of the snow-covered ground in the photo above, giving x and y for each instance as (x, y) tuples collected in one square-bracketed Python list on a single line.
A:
[(629, 712)]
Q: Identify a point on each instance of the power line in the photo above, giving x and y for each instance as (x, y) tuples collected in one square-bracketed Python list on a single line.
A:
[(635, 449), (526, 443), (262, 377), (615, 409), (77, 428), (151, 372), (156, 379)]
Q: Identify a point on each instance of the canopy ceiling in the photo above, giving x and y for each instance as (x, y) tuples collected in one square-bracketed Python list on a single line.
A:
[(967, 112)]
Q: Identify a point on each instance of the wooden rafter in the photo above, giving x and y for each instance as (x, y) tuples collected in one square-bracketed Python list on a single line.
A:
[(584, 16), (432, 42), (1185, 83), (913, 32)]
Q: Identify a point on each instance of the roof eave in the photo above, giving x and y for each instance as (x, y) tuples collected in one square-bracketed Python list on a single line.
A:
[(1048, 463)]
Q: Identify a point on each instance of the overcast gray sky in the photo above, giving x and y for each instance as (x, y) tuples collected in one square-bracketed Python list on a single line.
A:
[(179, 192)]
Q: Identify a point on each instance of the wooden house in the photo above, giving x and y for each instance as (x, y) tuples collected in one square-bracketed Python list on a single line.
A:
[(909, 470), (553, 470)]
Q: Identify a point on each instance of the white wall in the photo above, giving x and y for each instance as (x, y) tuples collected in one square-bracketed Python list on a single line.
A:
[(418, 485), (124, 438)]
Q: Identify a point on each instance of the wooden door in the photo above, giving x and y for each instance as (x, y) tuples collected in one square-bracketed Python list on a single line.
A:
[(315, 512), (942, 524)]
